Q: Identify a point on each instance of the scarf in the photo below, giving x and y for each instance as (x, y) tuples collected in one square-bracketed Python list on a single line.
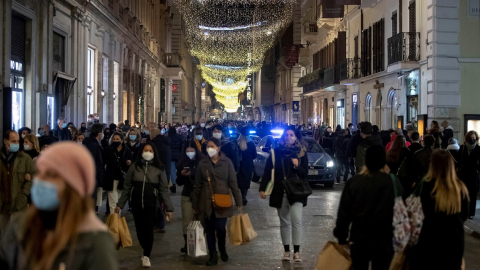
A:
[(199, 144), (470, 147), (297, 148)]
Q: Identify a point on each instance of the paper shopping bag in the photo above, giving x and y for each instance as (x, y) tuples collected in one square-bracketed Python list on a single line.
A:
[(399, 261), (113, 224), (248, 233), (333, 257), (125, 237), (236, 237), (196, 245)]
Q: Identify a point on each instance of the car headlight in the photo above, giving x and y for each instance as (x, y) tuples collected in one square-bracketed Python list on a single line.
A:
[(329, 164)]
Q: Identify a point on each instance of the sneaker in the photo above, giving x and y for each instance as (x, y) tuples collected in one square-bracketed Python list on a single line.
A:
[(146, 262), (296, 257), (286, 256)]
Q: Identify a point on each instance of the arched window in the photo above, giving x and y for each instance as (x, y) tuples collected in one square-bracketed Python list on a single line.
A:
[(391, 116), (378, 110), (368, 108)]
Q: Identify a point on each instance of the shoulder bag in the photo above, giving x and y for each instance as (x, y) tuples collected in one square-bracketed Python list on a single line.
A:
[(220, 201), (271, 183), (296, 189), (401, 221)]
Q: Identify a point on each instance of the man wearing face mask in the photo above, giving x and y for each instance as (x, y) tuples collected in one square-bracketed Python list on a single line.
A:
[(94, 146), (228, 148), (46, 137), (16, 171), (199, 140), (62, 132), (146, 132), (176, 145)]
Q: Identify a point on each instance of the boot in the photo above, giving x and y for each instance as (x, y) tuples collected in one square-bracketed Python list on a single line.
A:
[(173, 188), (213, 259), (223, 254), (184, 249)]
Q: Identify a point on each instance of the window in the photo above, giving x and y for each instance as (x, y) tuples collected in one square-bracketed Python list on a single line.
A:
[(50, 110), (58, 52), (116, 90), (378, 46), (366, 51), (90, 80), (105, 74), (391, 103), (394, 23), (368, 108)]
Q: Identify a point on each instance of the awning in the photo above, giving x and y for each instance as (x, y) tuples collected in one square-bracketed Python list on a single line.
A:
[(66, 83)]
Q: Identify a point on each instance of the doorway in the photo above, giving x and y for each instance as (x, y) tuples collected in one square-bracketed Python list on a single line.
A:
[(341, 113), (355, 110), (325, 115)]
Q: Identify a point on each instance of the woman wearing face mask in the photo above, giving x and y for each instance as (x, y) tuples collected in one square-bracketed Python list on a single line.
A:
[(23, 132), (80, 138), (74, 132), (186, 169), (468, 163), (55, 231), (145, 183), (117, 159), (31, 146), (132, 141), (248, 153), (293, 155), (106, 137), (215, 175)]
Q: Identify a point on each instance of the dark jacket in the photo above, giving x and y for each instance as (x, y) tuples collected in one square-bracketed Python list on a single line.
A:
[(206, 134), (96, 150), (141, 184), (353, 144), (163, 147), (395, 165), (133, 149), (469, 166), (340, 146), (62, 134), (47, 140), (187, 181), (176, 144), (276, 198), (362, 150), (442, 239), (421, 163), (445, 136), (414, 147), (223, 181), (232, 152), (244, 176), (32, 153), (367, 205), (115, 166)]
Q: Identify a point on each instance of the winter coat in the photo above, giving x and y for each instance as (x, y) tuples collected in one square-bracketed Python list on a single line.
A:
[(223, 181), (362, 150), (96, 150), (141, 184), (115, 166), (187, 181), (232, 152), (47, 139), (353, 144), (164, 151), (133, 149), (435, 132), (445, 136), (392, 139), (89, 128), (414, 147), (22, 165), (442, 239), (469, 167), (244, 176), (176, 145), (94, 247), (395, 165), (340, 146), (276, 198), (421, 163), (367, 205), (62, 134)]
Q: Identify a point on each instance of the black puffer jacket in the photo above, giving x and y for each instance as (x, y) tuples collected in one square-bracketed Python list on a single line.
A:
[(96, 150), (176, 144), (164, 151), (187, 181), (340, 146)]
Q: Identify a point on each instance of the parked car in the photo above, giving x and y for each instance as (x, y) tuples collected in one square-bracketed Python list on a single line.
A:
[(321, 167), (256, 139)]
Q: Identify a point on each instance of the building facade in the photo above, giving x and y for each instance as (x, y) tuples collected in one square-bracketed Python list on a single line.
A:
[(391, 63)]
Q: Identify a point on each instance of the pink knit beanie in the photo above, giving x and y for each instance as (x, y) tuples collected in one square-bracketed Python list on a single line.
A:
[(73, 163)]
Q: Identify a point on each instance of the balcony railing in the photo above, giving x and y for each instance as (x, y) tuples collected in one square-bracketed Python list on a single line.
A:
[(404, 47), (350, 69), (317, 85), (332, 75), (172, 59)]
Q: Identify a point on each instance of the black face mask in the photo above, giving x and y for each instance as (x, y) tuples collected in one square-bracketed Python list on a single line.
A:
[(472, 141), (116, 144)]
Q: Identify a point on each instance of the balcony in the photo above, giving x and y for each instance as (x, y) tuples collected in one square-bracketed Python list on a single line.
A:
[(404, 47), (332, 75), (172, 59), (350, 69)]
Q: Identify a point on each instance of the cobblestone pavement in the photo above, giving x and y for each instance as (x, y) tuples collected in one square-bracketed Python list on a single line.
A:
[(266, 250)]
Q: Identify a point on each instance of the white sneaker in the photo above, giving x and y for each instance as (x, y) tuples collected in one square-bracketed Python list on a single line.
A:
[(286, 256), (296, 257), (146, 262)]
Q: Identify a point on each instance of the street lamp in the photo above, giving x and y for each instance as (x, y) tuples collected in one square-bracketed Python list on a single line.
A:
[(114, 96), (89, 90), (102, 93)]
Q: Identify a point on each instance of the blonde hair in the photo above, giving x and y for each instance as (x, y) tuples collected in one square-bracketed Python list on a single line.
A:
[(448, 190), (34, 140), (127, 136), (242, 142)]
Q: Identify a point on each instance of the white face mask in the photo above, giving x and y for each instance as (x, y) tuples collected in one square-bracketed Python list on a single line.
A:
[(190, 155), (23, 136), (198, 137), (202, 125), (211, 151), (207, 126), (79, 143), (26, 147), (217, 135), (193, 127), (147, 156)]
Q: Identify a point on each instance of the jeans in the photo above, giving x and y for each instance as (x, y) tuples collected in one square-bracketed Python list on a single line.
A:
[(342, 165), (187, 212), (379, 254), (113, 196), (144, 220), (214, 224), (244, 192), (173, 172), (290, 215)]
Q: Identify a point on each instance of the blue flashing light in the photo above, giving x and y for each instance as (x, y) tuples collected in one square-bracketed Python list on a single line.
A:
[(253, 132), (230, 131)]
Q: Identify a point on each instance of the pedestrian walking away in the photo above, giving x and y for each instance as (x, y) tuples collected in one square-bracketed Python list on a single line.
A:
[(248, 153)]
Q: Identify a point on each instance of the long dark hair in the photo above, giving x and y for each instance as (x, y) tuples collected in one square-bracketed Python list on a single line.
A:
[(156, 158), (397, 148), (198, 154)]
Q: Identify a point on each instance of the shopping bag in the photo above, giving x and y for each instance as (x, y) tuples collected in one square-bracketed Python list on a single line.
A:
[(113, 224), (248, 233), (399, 261), (196, 245), (333, 257), (236, 237), (125, 237), (401, 222)]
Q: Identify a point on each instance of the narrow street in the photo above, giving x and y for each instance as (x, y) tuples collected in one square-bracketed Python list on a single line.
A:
[(266, 250)]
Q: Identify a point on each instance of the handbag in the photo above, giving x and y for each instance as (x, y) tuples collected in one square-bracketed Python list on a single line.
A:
[(220, 201), (401, 223), (296, 189), (271, 183), (415, 214)]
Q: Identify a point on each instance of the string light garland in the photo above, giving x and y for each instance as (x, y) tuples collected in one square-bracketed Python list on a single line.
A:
[(230, 39)]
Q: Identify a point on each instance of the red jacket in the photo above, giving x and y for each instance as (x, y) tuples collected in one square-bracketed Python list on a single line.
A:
[(389, 145)]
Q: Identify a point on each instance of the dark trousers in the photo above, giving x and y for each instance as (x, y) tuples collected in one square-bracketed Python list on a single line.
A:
[(342, 165), (473, 202), (352, 166), (214, 224), (159, 216), (380, 255), (144, 219), (244, 192)]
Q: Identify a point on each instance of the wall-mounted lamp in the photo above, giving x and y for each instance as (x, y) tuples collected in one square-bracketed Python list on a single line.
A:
[(102, 93), (114, 96), (89, 90)]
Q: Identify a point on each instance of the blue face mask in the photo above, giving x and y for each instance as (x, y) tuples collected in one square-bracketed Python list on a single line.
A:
[(14, 147), (162, 132), (64, 125), (44, 195), (133, 137)]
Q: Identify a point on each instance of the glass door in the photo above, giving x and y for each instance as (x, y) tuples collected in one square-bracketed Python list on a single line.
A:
[(17, 82)]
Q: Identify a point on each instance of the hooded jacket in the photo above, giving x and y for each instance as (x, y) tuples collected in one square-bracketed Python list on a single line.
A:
[(445, 136)]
